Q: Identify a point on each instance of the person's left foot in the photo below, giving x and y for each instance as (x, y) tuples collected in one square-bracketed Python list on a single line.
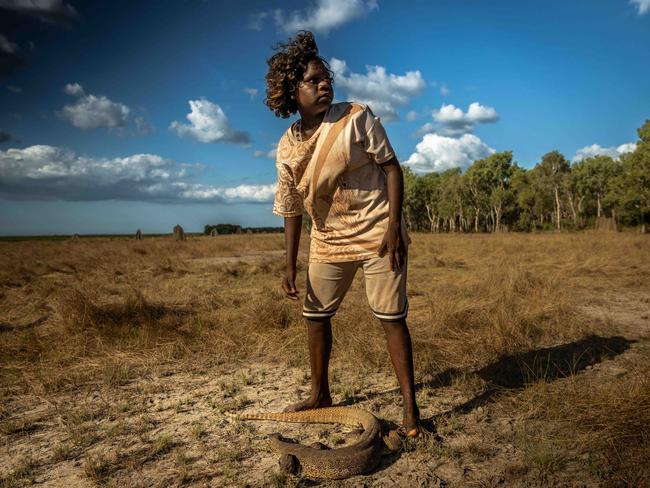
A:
[(411, 423)]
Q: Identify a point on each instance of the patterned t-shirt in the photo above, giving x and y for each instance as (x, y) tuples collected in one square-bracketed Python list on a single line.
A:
[(335, 176)]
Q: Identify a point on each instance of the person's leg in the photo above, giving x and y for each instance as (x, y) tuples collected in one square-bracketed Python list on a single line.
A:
[(386, 291), (327, 284), (319, 332), (401, 355)]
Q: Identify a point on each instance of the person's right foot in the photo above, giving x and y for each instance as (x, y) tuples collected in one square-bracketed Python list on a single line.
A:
[(309, 404)]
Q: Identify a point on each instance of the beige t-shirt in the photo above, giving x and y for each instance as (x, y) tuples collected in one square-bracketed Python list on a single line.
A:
[(335, 176)]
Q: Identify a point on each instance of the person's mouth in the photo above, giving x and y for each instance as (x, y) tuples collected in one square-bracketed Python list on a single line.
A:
[(327, 97)]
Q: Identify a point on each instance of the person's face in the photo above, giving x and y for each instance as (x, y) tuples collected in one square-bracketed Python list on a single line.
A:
[(314, 93)]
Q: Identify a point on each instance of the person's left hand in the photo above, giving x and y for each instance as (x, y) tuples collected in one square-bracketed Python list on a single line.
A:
[(393, 244)]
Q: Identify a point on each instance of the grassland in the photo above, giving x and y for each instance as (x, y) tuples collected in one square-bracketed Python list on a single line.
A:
[(120, 357)]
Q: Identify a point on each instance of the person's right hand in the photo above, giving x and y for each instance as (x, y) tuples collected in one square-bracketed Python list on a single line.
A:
[(289, 285)]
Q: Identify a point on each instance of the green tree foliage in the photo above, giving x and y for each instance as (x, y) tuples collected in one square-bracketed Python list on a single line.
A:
[(495, 194), (591, 179), (630, 190)]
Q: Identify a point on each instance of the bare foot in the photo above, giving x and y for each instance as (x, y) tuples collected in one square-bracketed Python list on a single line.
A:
[(310, 403), (411, 423)]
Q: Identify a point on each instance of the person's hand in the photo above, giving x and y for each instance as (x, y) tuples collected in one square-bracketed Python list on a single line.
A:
[(393, 244), (289, 285)]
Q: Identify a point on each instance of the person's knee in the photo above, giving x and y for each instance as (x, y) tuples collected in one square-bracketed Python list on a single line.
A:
[(318, 324), (396, 324)]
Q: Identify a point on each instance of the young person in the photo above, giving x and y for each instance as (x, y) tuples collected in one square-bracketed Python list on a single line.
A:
[(336, 163)]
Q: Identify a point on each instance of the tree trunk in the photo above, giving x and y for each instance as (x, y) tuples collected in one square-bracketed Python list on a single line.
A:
[(557, 208), (573, 211), (497, 213), (430, 215), (600, 207)]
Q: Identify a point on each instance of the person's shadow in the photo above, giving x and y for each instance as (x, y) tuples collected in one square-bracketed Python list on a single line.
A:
[(515, 372), (512, 373)]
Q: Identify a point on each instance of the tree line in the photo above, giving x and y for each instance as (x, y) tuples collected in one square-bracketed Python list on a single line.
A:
[(220, 229), (495, 194)]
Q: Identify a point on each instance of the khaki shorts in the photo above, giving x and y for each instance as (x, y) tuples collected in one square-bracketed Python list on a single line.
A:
[(327, 284)]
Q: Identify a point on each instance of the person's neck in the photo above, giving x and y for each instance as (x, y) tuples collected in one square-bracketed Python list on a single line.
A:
[(310, 121)]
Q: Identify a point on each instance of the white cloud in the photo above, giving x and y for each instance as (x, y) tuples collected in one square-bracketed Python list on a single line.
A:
[(208, 123), (439, 153), (252, 92), (92, 112), (642, 5), (481, 114), (47, 172), (382, 91), (444, 90), (237, 194), (614, 152), (7, 46), (323, 16), (451, 121), (55, 11), (74, 89)]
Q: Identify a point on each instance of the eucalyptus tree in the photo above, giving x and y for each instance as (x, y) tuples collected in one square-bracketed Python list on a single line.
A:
[(632, 187), (551, 171), (429, 191), (453, 200), (591, 178)]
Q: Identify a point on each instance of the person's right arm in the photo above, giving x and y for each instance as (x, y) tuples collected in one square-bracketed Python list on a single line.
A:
[(292, 227)]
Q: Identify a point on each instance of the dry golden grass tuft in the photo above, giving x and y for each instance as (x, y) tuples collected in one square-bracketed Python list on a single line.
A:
[(499, 322)]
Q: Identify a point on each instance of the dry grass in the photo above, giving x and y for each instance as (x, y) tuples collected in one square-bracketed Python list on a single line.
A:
[(489, 314)]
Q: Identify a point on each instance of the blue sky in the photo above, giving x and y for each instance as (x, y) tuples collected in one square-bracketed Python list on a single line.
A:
[(95, 97)]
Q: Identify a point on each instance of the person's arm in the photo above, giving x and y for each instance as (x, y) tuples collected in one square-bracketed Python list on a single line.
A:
[(393, 242), (292, 228)]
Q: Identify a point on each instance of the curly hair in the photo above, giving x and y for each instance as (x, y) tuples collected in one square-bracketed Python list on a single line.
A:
[(286, 68)]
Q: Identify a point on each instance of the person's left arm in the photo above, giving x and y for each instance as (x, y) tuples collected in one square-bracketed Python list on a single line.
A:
[(393, 242)]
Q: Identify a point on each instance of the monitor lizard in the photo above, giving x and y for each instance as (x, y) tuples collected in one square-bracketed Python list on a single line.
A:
[(320, 462)]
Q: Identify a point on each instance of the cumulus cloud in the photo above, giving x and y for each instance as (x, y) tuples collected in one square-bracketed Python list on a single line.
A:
[(208, 123), (323, 16), (614, 152), (252, 92), (52, 11), (47, 172), (74, 89), (642, 5), (444, 90), (92, 112), (383, 92), (451, 121), (439, 153)]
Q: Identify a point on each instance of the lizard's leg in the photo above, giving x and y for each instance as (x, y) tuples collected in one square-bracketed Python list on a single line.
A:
[(319, 332), (401, 355)]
